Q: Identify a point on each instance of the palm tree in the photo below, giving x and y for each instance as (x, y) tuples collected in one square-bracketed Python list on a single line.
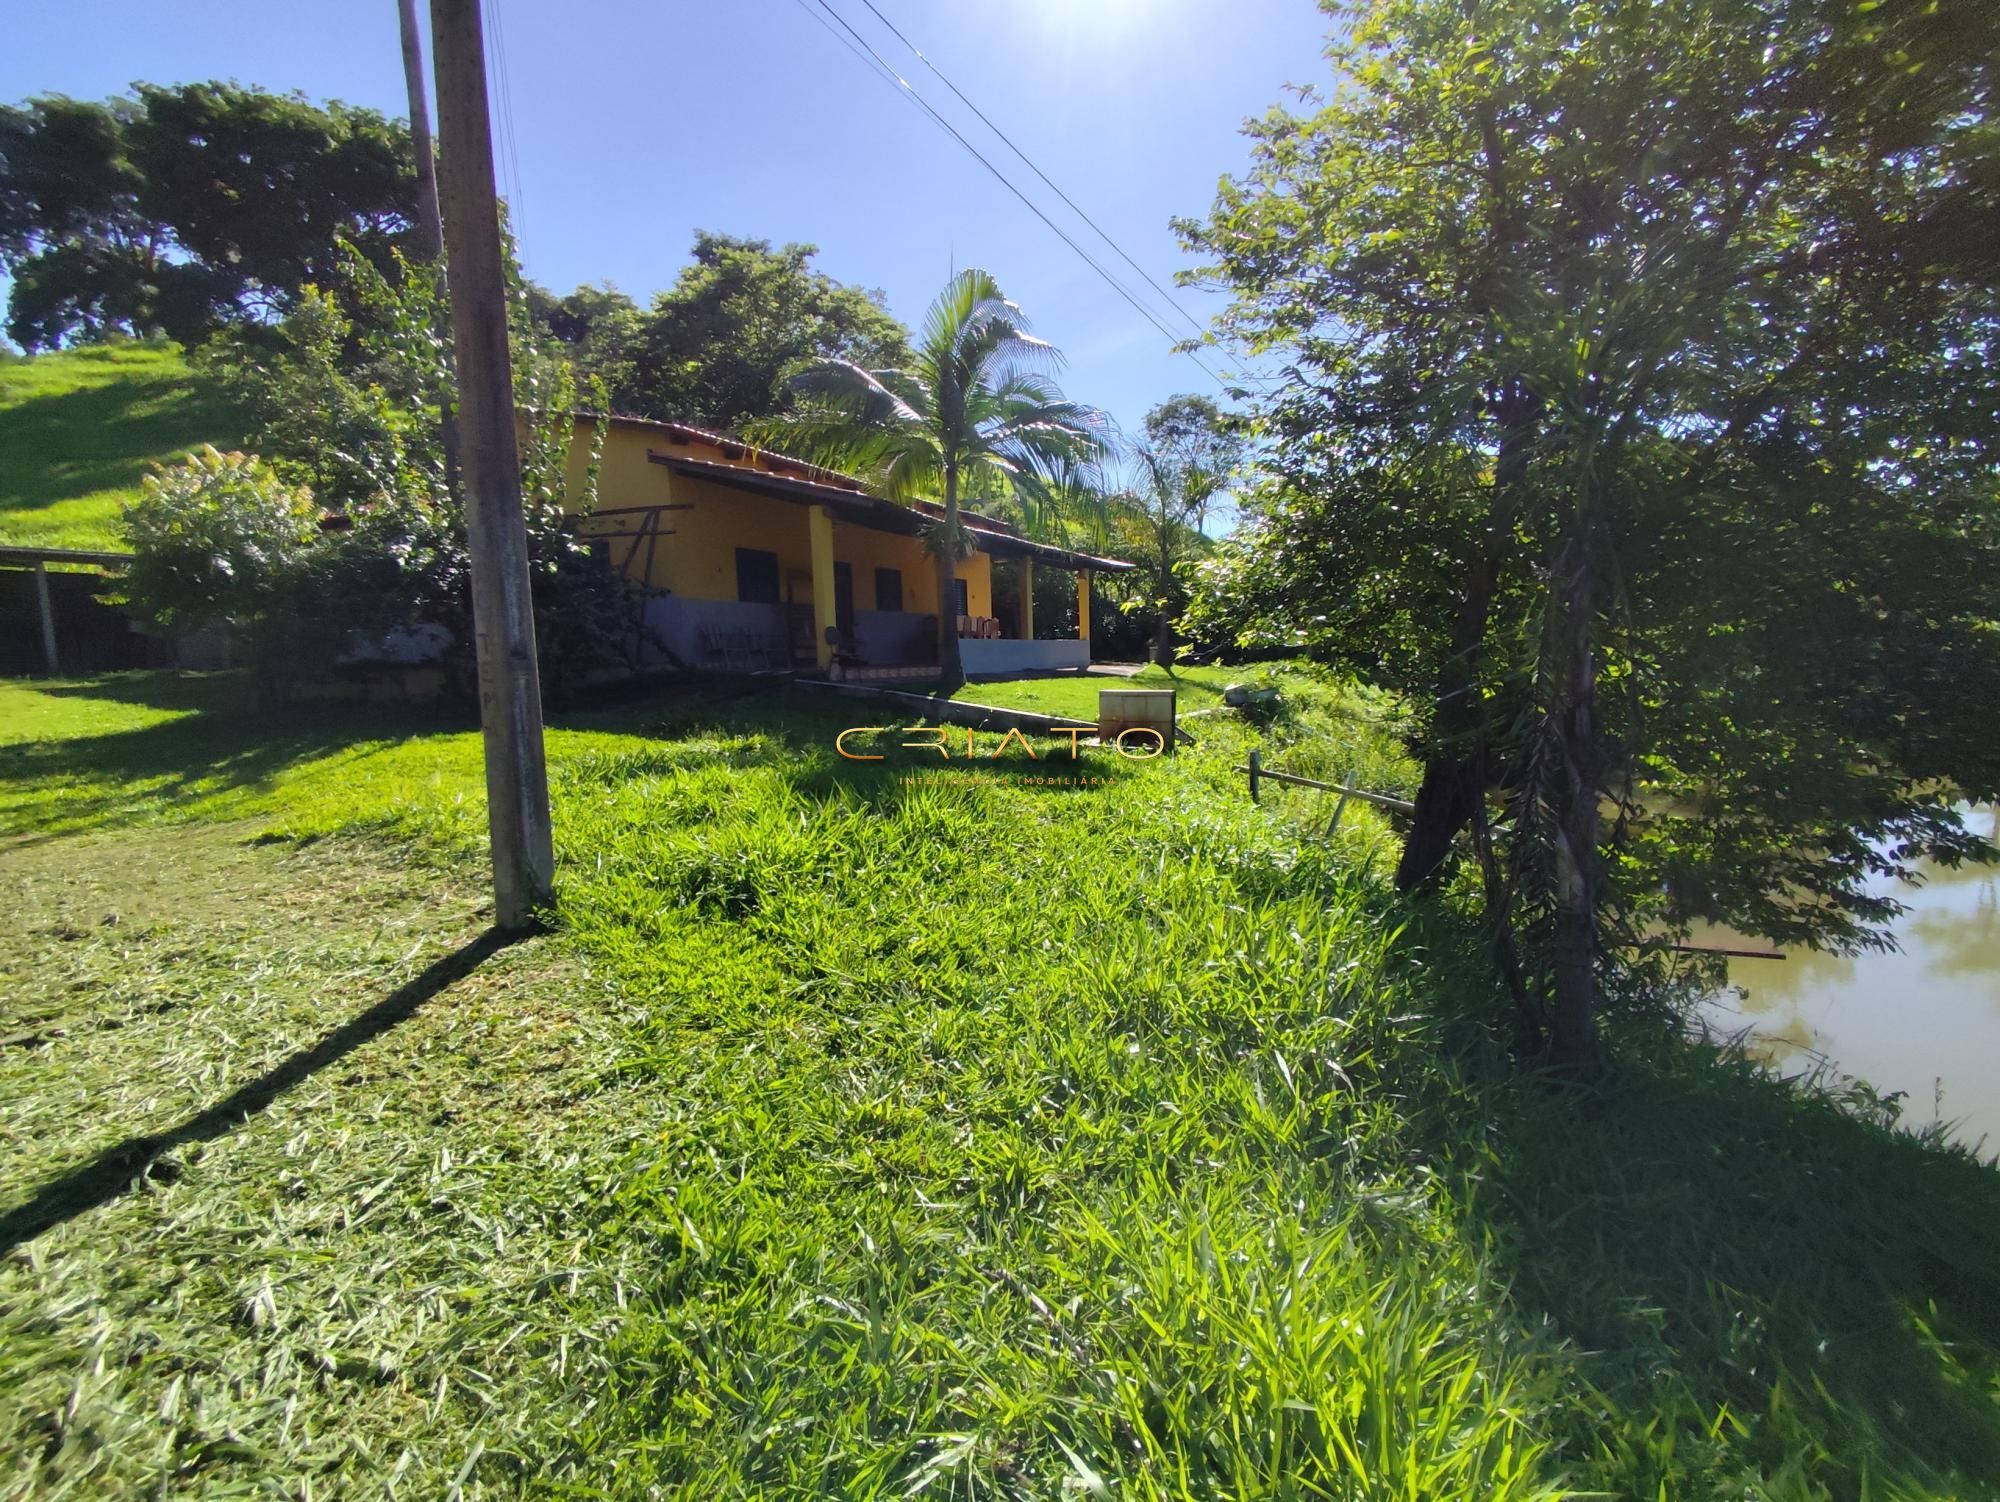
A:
[(976, 406)]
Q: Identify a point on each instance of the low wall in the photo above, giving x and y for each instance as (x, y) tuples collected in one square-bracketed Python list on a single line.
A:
[(678, 622), (882, 638), (983, 656), (894, 638)]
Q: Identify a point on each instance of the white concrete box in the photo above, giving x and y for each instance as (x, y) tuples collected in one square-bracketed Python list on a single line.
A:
[(1139, 715)]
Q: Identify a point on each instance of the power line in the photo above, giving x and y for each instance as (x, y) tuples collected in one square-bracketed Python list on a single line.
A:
[(1075, 207), (517, 208), (873, 65), (1034, 208)]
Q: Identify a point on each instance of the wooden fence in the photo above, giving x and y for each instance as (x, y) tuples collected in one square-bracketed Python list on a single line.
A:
[(1258, 774)]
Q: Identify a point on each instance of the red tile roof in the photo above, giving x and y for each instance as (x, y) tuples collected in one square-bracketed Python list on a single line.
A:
[(781, 463)]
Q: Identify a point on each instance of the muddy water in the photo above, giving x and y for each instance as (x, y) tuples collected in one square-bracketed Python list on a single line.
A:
[(1924, 1020)]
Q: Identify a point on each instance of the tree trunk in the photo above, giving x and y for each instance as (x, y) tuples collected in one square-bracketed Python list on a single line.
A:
[(951, 668), (1461, 762), (1530, 1023), (1573, 958), (1444, 804), (1455, 772), (1163, 638)]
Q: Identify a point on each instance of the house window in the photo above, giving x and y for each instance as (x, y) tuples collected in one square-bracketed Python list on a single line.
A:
[(964, 599), (888, 589), (756, 576)]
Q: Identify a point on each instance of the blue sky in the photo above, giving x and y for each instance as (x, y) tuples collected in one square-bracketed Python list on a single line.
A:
[(635, 123)]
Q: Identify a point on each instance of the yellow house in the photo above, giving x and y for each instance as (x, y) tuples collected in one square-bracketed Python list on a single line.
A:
[(752, 559)]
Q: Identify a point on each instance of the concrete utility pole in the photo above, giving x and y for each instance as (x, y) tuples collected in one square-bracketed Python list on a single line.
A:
[(510, 694), (430, 226)]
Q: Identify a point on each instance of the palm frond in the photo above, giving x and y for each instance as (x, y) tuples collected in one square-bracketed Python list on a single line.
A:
[(977, 400), (873, 397), (967, 298)]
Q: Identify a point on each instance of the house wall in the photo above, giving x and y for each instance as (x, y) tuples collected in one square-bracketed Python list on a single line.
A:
[(1016, 656), (695, 559)]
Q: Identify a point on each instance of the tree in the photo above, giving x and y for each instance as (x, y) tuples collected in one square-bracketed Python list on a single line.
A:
[(600, 329), (717, 346), (349, 405), (1639, 429), (84, 258), (188, 208), (1191, 454), (974, 408)]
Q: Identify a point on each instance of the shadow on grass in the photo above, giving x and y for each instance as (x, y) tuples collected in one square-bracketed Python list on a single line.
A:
[(1757, 1269), (1185, 684), (118, 1168), (798, 734), (120, 426), (61, 787), (219, 693)]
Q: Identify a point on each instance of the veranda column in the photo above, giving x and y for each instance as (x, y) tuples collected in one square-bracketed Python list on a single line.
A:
[(1027, 599), (819, 528), (1083, 606)]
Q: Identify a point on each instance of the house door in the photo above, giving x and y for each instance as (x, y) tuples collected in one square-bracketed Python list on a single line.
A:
[(843, 598)]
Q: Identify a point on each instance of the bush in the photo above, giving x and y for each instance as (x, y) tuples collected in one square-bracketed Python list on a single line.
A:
[(347, 394), (217, 540)]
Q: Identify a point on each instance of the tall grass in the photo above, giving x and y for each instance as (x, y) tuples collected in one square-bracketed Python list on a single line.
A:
[(991, 1139)]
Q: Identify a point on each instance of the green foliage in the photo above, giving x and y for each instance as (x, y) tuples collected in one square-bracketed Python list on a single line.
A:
[(345, 394), (1640, 430), (216, 541), (188, 207), (974, 409), (1191, 454), (716, 347), (80, 428), (353, 404)]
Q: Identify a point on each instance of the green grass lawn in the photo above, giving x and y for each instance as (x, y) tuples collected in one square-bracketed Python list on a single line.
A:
[(854, 1135), (78, 428), (1075, 694), (1327, 731)]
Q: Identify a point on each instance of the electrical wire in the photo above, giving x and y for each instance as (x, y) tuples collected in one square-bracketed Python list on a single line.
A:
[(873, 65), (910, 91), (510, 154), (1075, 207)]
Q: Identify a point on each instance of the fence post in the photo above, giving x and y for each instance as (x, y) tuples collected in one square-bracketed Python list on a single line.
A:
[(1256, 766), (1340, 807), (47, 608)]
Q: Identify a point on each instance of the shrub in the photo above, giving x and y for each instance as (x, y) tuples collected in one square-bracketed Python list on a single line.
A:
[(216, 541), (347, 394)]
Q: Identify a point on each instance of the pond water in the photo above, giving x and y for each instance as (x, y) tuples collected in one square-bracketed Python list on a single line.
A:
[(1924, 1020)]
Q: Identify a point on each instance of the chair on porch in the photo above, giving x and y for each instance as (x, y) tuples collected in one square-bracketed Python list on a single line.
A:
[(846, 650)]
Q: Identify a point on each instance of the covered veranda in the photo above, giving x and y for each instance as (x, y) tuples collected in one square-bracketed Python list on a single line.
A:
[(852, 642)]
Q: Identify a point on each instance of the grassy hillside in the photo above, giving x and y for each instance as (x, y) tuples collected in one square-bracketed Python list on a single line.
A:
[(861, 1132), (78, 427)]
